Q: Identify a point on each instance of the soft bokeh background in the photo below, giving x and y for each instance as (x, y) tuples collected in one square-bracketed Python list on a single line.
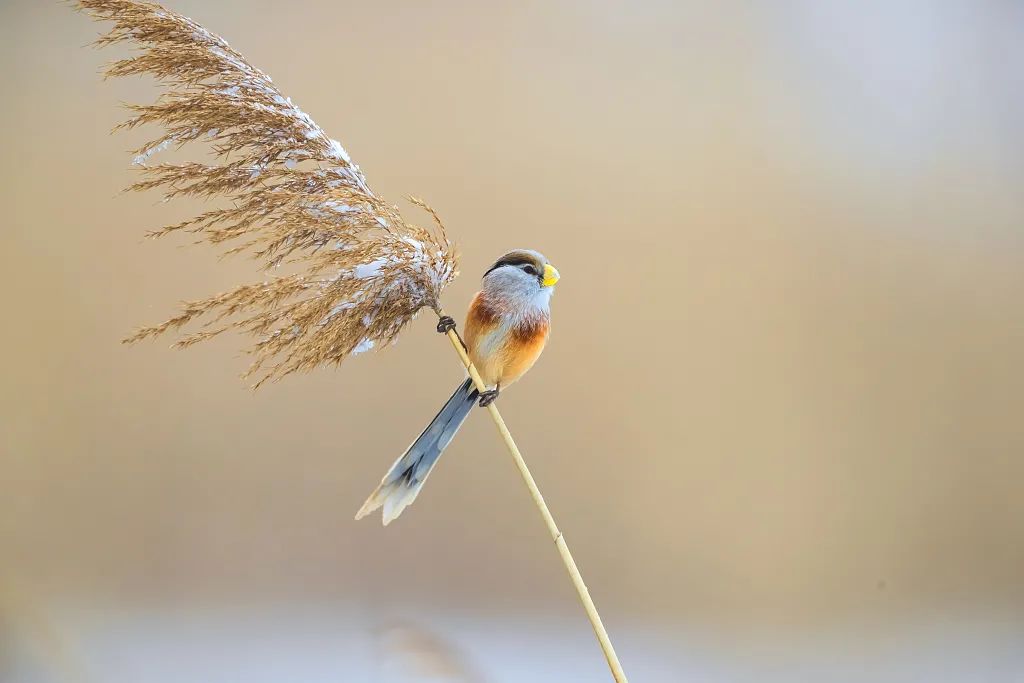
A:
[(779, 419)]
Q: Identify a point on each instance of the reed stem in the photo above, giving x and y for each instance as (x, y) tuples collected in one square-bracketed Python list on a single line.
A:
[(563, 549)]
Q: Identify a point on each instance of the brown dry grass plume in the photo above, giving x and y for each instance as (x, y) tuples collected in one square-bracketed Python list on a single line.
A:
[(294, 196)]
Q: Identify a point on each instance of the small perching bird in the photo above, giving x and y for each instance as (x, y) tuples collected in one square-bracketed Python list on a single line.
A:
[(297, 197), (294, 197), (506, 329)]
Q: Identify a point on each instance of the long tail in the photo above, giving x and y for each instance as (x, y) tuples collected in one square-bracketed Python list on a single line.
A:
[(402, 483)]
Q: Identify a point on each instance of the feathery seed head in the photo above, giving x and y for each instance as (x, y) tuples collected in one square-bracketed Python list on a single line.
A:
[(295, 197)]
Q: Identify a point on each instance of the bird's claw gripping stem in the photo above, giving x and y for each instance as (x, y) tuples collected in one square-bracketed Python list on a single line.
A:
[(487, 397), (445, 323)]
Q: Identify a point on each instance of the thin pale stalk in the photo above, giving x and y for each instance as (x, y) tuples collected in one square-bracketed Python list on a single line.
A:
[(538, 499)]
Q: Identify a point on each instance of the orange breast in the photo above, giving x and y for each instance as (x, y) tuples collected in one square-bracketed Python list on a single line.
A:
[(521, 350), (502, 353)]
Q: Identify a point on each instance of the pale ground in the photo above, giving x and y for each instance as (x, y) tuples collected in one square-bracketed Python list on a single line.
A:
[(318, 644)]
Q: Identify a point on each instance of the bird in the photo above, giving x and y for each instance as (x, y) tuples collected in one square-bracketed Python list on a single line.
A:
[(507, 327), (294, 196)]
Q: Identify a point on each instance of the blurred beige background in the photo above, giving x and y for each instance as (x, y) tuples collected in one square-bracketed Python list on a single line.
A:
[(783, 391)]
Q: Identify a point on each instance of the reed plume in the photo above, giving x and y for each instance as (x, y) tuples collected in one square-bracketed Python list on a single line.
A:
[(361, 272)]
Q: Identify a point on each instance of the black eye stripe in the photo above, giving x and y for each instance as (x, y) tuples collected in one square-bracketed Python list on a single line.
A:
[(513, 260)]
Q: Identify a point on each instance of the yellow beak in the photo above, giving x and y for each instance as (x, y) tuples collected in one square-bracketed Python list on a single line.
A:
[(550, 275)]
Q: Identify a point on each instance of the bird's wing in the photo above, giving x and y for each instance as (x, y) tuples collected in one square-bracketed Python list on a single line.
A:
[(293, 197)]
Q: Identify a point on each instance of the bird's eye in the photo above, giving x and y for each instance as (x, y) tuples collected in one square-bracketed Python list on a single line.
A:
[(529, 269)]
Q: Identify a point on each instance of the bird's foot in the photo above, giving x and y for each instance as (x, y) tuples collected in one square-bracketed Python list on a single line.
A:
[(445, 323), (487, 397)]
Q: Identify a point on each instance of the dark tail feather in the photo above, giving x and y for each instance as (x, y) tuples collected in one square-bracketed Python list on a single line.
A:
[(402, 483)]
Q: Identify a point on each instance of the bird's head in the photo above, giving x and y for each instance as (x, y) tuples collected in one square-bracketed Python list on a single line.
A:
[(521, 273)]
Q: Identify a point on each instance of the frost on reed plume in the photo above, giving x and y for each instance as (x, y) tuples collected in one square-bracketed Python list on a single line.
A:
[(294, 197)]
